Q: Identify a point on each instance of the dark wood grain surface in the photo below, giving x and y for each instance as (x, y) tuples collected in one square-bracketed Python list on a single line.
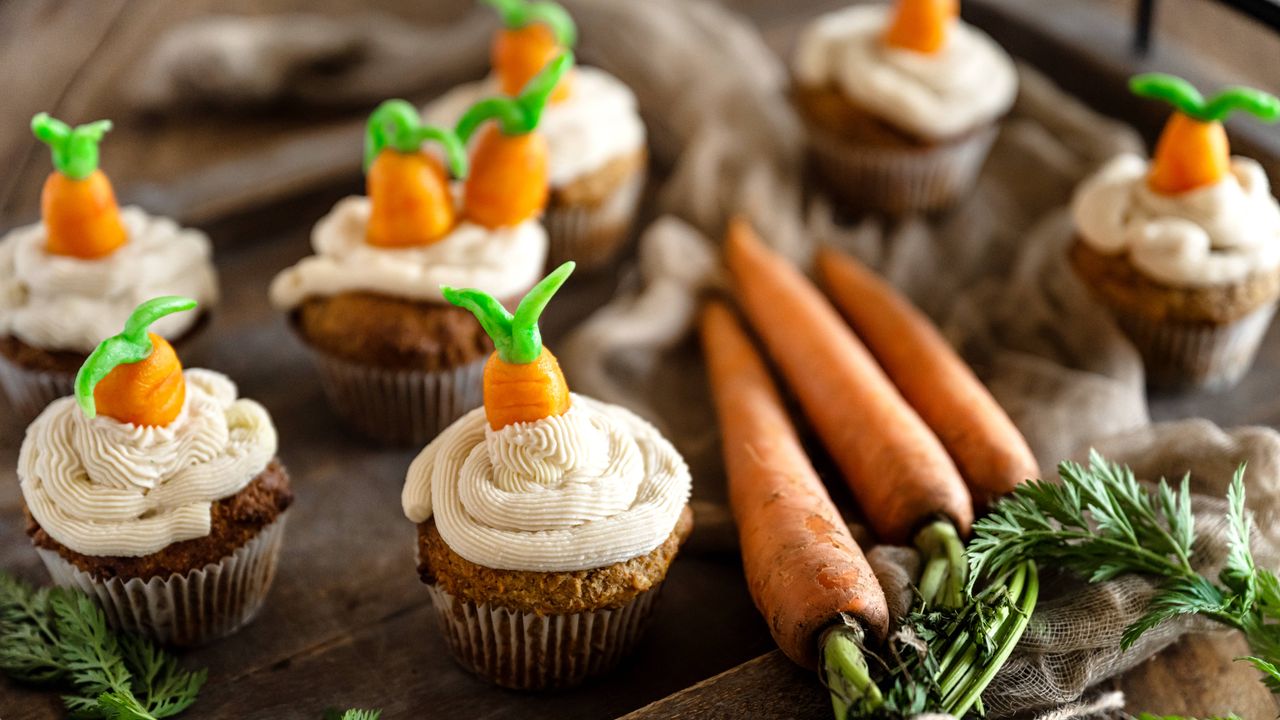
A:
[(348, 622)]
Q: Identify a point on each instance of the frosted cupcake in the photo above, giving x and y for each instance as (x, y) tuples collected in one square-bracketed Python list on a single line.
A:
[(156, 491), (546, 520), (72, 279), (901, 103), (396, 360), (1185, 249), (594, 131)]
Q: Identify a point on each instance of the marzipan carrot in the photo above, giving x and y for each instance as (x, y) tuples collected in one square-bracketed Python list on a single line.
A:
[(991, 454), (922, 25), (410, 201), (1193, 150), (898, 470), (803, 568), (532, 35), (522, 379), (136, 377), (78, 205), (509, 178)]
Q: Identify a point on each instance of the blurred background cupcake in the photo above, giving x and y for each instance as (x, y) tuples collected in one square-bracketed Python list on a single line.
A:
[(157, 491), (901, 102), (72, 279), (1185, 249), (599, 160)]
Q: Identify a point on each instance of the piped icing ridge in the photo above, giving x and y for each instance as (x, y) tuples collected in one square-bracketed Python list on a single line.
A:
[(591, 487), (968, 82), (56, 302), (105, 488)]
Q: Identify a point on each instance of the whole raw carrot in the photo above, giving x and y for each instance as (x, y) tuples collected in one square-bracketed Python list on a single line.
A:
[(993, 457), (803, 568), (78, 205), (895, 465)]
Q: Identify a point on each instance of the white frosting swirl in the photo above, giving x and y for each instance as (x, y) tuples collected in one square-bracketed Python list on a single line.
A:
[(55, 302), (970, 81), (503, 262), (1212, 235), (105, 488), (590, 488), (597, 123)]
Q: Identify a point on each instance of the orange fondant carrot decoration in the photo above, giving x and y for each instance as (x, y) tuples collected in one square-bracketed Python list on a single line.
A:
[(136, 377), (508, 179), (522, 379), (922, 25), (409, 197), (532, 35), (81, 217), (1193, 150)]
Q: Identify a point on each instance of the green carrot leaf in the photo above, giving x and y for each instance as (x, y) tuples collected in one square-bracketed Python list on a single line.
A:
[(494, 318), (519, 115), (517, 14), (395, 124), (75, 150), (1264, 106), (526, 338)]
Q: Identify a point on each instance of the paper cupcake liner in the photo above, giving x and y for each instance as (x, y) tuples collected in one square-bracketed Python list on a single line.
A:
[(1194, 355), (592, 235), (30, 391), (399, 406), (189, 609), (527, 651), (900, 180)]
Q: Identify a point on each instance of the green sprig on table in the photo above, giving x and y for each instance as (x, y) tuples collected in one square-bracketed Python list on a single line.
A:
[(352, 714)]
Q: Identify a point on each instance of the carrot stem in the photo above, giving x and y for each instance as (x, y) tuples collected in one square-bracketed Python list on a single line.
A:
[(75, 150), (844, 664), (516, 337), (395, 124), (518, 115), (1183, 96), (516, 14)]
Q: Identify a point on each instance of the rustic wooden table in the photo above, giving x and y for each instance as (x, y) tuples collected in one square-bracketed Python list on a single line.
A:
[(348, 623)]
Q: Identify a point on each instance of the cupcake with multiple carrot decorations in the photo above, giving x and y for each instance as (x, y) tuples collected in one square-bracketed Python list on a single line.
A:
[(156, 490), (1184, 249), (395, 359), (901, 103), (546, 520), (71, 279), (596, 137)]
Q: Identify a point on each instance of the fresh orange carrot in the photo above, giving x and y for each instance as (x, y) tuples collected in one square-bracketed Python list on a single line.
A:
[(409, 197), (78, 205), (522, 379), (803, 568), (136, 377), (991, 454), (532, 35), (508, 183), (1193, 150), (922, 25), (898, 470)]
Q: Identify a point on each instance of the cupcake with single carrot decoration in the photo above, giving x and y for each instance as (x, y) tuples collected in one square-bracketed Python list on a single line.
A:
[(901, 102), (396, 360), (1184, 249), (597, 141), (156, 490), (546, 520), (72, 279)]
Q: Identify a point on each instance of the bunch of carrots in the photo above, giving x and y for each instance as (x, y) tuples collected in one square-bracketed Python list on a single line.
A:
[(915, 434)]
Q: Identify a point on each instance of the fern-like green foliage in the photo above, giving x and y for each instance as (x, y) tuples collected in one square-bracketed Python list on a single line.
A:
[(352, 714)]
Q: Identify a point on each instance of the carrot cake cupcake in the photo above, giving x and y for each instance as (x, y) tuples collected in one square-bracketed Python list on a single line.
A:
[(72, 279), (156, 490), (1185, 249), (546, 520), (901, 102), (596, 137), (396, 360)]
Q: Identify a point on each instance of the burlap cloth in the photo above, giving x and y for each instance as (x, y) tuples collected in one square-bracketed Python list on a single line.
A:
[(992, 272)]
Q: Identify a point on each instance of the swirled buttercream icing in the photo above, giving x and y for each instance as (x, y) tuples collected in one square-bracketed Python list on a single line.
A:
[(503, 262), (595, 486), (55, 302), (105, 488), (970, 81), (1212, 235), (597, 123)]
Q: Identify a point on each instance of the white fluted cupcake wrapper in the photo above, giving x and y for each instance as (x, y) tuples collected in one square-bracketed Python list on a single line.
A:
[(527, 651), (898, 180), (592, 235), (399, 406), (30, 391), (190, 609), (1180, 356)]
